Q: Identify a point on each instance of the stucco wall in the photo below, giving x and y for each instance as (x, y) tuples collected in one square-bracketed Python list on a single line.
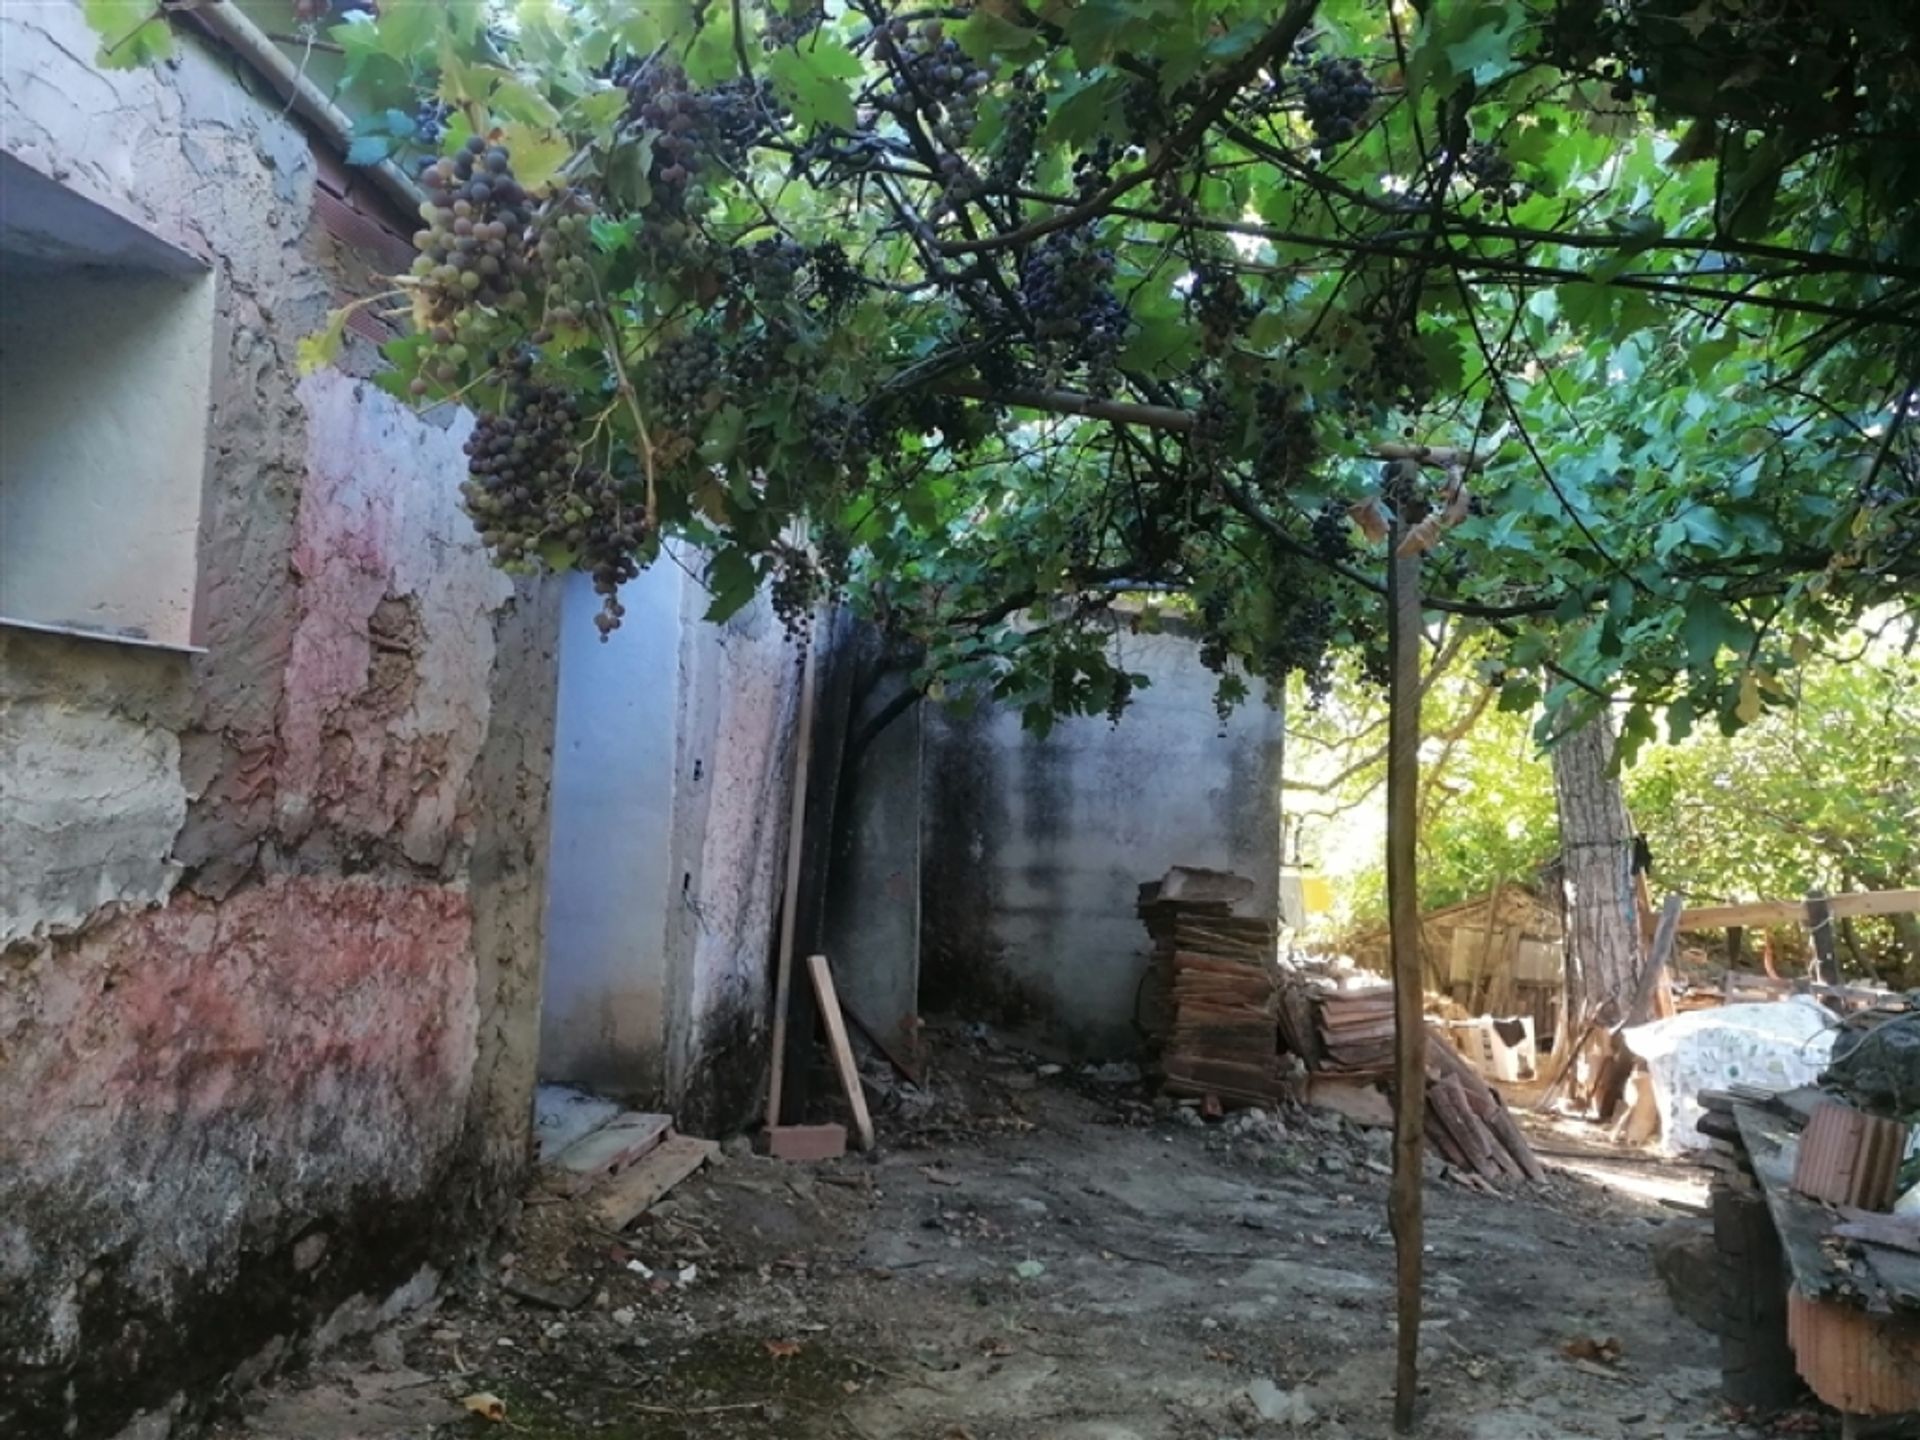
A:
[(874, 892), (669, 822), (1033, 848), (603, 1023), (272, 913)]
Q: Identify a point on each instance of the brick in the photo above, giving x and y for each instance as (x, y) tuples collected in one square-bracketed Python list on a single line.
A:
[(1860, 1363), (807, 1142), (1848, 1157)]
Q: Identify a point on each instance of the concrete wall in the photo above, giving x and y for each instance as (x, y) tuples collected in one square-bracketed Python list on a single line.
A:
[(1032, 848), (873, 908), (272, 913), (603, 1020), (669, 826)]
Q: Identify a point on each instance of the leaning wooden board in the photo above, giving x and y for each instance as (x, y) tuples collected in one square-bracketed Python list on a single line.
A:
[(1884, 1280)]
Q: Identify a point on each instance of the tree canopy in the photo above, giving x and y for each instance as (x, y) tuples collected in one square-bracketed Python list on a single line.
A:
[(1820, 794), (979, 314)]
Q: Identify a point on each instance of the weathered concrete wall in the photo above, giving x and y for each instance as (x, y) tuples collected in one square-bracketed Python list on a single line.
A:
[(603, 1022), (269, 996), (739, 686), (1033, 847), (669, 823), (873, 905)]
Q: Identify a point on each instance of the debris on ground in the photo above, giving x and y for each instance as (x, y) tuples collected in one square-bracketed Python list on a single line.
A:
[(1039, 1273)]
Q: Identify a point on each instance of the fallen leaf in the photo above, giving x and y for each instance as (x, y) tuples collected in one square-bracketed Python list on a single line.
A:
[(850, 1387), (939, 1177), (995, 1347), (782, 1349), (1029, 1269), (486, 1405), (1594, 1351)]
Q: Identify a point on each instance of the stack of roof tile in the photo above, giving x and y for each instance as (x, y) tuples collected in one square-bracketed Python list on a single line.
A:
[(1213, 987)]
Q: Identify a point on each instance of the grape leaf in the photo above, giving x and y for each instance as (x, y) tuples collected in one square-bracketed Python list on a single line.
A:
[(369, 149), (132, 33), (730, 581), (408, 31), (537, 154), (323, 347), (984, 34), (809, 86)]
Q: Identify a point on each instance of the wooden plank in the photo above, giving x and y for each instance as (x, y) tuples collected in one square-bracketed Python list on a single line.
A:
[(1826, 967), (634, 1190), (1754, 914), (842, 1051), (621, 1142), (790, 897)]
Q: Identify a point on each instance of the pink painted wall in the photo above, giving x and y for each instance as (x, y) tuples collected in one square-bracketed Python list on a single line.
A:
[(270, 929)]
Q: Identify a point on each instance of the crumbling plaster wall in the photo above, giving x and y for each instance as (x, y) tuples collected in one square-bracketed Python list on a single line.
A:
[(272, 913), (1032, 848)]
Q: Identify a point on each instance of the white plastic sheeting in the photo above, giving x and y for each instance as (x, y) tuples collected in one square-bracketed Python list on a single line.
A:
[(1776, 1046)]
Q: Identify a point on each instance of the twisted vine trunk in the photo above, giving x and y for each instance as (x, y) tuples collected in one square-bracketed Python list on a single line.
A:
[(1596, 856)]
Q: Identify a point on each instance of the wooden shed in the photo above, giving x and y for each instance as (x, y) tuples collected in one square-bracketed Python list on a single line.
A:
[(1498, 954)]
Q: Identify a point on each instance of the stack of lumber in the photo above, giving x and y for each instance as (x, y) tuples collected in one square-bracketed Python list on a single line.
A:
[(1214, 988), (1355, 1030), (1467, 1121)]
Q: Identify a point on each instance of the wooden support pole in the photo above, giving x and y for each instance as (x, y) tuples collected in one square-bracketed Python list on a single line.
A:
[(1409, 1007), (841, 1049), (790, 897), (1826, 970), (1659, 957)]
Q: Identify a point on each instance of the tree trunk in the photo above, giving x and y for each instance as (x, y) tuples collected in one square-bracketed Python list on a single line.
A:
[(1596, 858), (1907, 928)]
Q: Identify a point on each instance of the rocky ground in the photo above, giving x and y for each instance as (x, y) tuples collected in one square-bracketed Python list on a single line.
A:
[(1033, 1254)]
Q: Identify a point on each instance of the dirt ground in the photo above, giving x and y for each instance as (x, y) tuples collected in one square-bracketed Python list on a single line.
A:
[(1033, 1255)]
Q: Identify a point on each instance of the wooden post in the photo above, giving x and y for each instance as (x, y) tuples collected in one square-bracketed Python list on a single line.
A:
[(790, 898), (1736, 947), (1659, 957), (1826, 969), (1409, 1008)]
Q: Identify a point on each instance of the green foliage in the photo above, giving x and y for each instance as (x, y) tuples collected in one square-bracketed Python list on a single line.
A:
[(132, 33), (1822, 792), (1015, 311)]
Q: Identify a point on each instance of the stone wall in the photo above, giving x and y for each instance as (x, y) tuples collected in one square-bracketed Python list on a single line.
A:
[(272, 913), (1032, 848)]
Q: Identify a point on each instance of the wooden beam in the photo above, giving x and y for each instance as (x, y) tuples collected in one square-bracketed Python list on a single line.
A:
[(1409, 993), (1754, 914), (790, 897), (837, 1042), (1826, 967)]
